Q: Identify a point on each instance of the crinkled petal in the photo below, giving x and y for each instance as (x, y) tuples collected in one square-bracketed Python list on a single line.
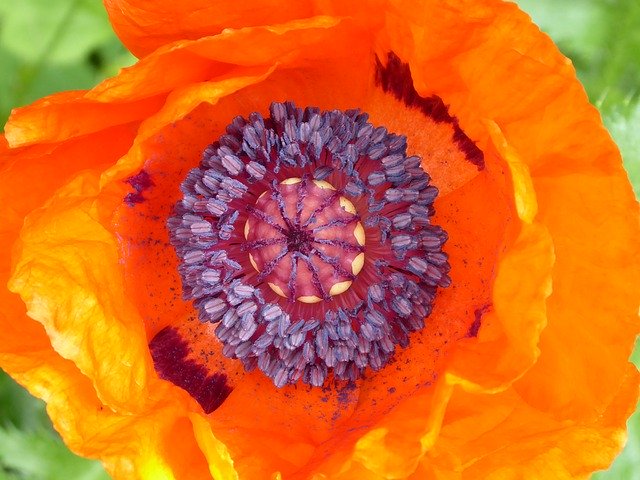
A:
[(503, 436), (144, 27)]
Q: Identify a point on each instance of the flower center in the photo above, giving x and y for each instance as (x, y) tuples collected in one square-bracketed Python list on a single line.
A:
[(305, 240), (271, 234)]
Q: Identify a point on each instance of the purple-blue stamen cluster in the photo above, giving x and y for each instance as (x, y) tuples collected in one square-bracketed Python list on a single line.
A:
[(404, 262)]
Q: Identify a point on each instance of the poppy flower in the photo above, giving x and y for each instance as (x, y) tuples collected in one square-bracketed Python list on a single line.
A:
[(324, 240)]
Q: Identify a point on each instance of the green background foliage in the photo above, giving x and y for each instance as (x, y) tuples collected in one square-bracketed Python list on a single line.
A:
[(53, 45)]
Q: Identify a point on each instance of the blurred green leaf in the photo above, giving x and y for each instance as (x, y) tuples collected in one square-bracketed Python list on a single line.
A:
[(18, 408), (602, 39), (9, 66), (63, 31), (623, 124), (53, 45), (29, 447), (577, 27), (40, 455)]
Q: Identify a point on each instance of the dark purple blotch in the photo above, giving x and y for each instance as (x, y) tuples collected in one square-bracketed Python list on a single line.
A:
[(169, 352), (395, 78), (140, 182), (477, 321)]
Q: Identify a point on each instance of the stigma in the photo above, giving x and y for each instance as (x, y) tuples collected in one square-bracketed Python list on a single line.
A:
[(306, 237), (305, 240)]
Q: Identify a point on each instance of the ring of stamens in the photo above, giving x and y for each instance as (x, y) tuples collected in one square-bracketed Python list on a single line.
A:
[(275, 218), (305, 239)]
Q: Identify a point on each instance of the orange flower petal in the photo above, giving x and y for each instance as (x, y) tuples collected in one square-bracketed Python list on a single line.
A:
[(498, 436), (143, 28), (22, 191), (584, 342)]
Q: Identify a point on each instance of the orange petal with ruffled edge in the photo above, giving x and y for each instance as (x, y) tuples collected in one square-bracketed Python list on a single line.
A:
[(144, 27), (542, 153)]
